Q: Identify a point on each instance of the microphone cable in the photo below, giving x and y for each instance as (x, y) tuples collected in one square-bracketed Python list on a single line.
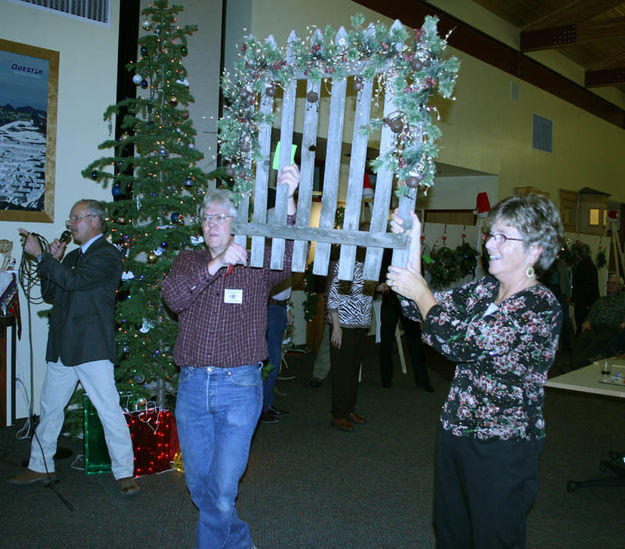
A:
[(28, 279)]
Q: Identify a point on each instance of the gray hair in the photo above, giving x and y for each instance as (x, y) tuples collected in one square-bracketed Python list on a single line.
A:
[(581, 250), (222, 197), (538, 221), (96, 209)]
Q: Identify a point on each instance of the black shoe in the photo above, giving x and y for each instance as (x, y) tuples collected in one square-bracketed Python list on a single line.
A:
[(315, 382), (277, 412), (269, 417), (427, 387)]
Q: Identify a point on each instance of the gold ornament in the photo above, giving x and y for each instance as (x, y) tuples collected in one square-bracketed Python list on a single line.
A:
[(173, 100)]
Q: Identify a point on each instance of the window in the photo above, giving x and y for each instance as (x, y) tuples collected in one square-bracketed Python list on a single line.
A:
[(542, 136), (96, 11)]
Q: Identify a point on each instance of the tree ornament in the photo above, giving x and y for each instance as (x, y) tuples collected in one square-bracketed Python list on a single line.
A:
[(146, 24), (312, 96), (358, 83), (185, 115), (174, 217), (270, 91), (188, 182), (414, 180), (143, 50), (137, 79), (416, 65), (116, 191), (229, 171), (184, 51), (396, 125), (173, 100), (144, 84), (245, 93), (162, 151), (151, 259), (94, 175)]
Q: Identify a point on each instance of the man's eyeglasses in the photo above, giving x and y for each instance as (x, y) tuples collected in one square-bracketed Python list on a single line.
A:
[(215, 218), (500, 238), (75, 219)]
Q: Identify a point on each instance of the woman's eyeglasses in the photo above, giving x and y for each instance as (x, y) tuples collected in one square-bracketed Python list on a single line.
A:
[(499, 238)]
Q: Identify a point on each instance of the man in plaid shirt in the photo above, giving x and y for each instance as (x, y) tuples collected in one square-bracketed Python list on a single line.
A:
[(221, 305)]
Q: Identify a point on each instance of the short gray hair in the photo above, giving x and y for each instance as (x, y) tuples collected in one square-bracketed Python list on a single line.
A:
[(96, 209), (222, 197), (538, 221)]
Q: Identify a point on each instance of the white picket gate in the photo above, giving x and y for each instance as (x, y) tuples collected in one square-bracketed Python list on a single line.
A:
[(253, 157)]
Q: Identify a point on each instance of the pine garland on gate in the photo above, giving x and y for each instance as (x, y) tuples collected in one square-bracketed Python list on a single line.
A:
[(409, 64)]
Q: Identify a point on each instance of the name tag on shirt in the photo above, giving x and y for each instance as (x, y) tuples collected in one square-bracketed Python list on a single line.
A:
[(233, 296)]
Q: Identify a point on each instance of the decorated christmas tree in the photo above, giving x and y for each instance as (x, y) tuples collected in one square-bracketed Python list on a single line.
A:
[(157, 188)]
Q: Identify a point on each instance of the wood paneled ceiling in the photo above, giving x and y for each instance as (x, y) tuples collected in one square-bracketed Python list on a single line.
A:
[(589, 32)]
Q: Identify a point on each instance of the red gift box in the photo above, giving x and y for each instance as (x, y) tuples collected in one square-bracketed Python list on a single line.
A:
[(154, 440)]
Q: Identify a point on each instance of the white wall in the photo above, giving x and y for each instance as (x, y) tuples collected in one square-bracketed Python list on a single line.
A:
[(87, 81)]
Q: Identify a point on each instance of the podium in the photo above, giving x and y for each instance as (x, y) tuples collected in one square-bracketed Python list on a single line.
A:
[(7, 368)]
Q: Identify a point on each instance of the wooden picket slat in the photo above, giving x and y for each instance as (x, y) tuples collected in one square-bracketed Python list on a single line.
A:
[(307, 172), (355, 180)]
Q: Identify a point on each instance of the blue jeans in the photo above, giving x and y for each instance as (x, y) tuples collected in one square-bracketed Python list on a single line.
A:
[(276, 324), (216, 414)]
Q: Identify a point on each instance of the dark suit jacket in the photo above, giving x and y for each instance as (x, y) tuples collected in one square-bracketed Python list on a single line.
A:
[(82, 326)]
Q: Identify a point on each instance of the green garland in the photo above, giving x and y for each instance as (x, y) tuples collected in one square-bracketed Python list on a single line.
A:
[(409, 64)]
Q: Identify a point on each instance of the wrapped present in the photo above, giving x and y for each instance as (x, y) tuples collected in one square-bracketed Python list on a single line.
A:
[(154, 440)]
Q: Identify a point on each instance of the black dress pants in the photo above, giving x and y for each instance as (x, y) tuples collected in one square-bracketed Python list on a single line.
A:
[(484, 490), (344, 368), (390, 313)]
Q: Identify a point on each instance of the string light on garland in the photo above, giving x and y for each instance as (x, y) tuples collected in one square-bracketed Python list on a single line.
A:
[(409, 65)]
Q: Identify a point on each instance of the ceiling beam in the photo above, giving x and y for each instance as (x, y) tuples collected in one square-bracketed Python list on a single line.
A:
[(573, 12), (575, 33), (605, 77), (493, 52)]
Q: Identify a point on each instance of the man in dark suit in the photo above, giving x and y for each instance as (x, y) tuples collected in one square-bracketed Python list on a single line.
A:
[(81, 342)]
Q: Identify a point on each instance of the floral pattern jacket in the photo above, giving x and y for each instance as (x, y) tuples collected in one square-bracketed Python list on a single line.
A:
[(503, 353)]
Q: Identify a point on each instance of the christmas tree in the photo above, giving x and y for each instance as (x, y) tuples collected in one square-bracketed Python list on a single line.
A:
[(157, 189)]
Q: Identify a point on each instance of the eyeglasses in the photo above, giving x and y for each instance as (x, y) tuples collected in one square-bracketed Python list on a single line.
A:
[(75, 219), (215, 218), (500, 238)]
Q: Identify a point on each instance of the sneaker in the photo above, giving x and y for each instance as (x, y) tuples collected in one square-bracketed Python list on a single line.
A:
[(315, 382), (32, 477), (269, 417), (278, 412)]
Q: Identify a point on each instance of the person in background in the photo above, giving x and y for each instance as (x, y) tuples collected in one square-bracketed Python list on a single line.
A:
[(585, 283), (349, 313), (502, 331), (390, 314), (81, 342), (277, 319), (604, 321), (221, 304)]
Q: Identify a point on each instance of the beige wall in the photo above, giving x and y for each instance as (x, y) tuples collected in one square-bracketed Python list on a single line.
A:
[(485, 129), (87, 80)]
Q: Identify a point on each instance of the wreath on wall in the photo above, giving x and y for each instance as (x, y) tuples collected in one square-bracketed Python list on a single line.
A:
[(446, 266), (409, 64)]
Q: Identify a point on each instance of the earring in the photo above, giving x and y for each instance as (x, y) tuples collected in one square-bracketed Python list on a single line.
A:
[(529, 272)]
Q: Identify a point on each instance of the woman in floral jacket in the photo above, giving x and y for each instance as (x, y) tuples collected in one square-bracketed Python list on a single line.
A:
[(502, 331)]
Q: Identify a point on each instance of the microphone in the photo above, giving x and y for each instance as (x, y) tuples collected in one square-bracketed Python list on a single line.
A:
[(66, 237)]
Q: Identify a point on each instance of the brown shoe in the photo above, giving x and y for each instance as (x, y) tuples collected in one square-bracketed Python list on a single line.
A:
[(342, 424), (31, 477), (355, 418), (128, 486)]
